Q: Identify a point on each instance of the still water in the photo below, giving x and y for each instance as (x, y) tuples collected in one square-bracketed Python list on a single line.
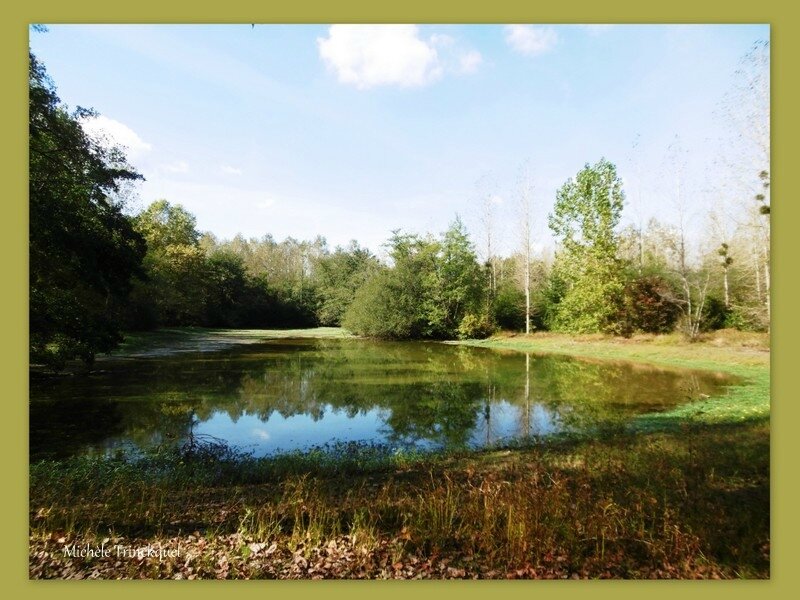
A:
[(287, 394)]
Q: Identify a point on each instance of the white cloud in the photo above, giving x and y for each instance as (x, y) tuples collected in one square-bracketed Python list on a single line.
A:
[(470, 61), (371, 55), (110, 133), (261, 434), (180, 166), (442, 40), (530, 40), (228, 170)]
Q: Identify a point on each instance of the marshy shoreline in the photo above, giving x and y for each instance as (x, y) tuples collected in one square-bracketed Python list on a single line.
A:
[(684, 494)]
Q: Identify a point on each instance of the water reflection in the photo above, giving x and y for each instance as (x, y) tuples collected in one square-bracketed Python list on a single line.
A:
[(287, 394)]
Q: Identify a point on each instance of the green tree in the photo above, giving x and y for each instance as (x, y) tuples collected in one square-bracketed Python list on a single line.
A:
[(338, 277), (84, 251), (431, 289), (455, 284), (383, 309), (163, 224), (405, 290), (584, 219), (227, 294), (175, 266), (283, 278)]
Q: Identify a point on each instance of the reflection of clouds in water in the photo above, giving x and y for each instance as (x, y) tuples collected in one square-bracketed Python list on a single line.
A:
[(543, 420), (261, 434), (505, 420)]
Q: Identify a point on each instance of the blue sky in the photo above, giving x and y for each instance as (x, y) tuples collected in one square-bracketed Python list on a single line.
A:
[(351, 132)]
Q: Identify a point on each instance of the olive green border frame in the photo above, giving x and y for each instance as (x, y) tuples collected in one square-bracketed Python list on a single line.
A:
[(785, 41)]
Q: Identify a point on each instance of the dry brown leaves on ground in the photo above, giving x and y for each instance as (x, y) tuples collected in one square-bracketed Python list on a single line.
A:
[(237, 557)]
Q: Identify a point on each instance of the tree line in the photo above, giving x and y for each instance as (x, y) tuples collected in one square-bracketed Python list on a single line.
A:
[(96, 270)]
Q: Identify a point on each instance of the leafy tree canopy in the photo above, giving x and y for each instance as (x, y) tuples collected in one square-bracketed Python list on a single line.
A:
[(432, 286), (584, 220), (84, 251)]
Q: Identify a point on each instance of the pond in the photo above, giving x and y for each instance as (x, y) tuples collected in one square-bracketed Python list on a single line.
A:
[(286, 394)]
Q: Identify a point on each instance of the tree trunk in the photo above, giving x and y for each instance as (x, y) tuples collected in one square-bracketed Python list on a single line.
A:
[(528, 293), (757, 269), (725, 284), (766, 284)]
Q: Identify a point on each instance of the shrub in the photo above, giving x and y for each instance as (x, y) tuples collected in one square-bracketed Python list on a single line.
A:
[(382, 309), (648, 306), (744, 320), (715, 314), (474, 327), (509, 308)]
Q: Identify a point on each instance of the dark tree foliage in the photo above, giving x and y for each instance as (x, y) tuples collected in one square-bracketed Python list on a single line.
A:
[(84, 251), (339, 276), (508, 307), (192, 280), (649, 306), (548, 298), (715, 314), (292, 306), (228, 292)]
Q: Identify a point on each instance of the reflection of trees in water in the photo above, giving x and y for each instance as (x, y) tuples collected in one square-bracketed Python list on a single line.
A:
[(64, 428), (425, 392), (437, 411), (60, 429), (442, 413), (288, 389), (597, 394)]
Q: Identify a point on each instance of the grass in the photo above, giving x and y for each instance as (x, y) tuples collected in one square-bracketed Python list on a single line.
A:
[(664, 505), (684, 496)]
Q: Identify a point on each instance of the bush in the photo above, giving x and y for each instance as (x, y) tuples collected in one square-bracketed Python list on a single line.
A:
[(743, 320), (474, 327), (381, 309), (508, 308), (715, 314), (648, 306)]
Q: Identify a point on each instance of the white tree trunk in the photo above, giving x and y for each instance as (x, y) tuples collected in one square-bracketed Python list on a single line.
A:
[(766, 284), (725, 285), (527, 295), (526, 217)]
